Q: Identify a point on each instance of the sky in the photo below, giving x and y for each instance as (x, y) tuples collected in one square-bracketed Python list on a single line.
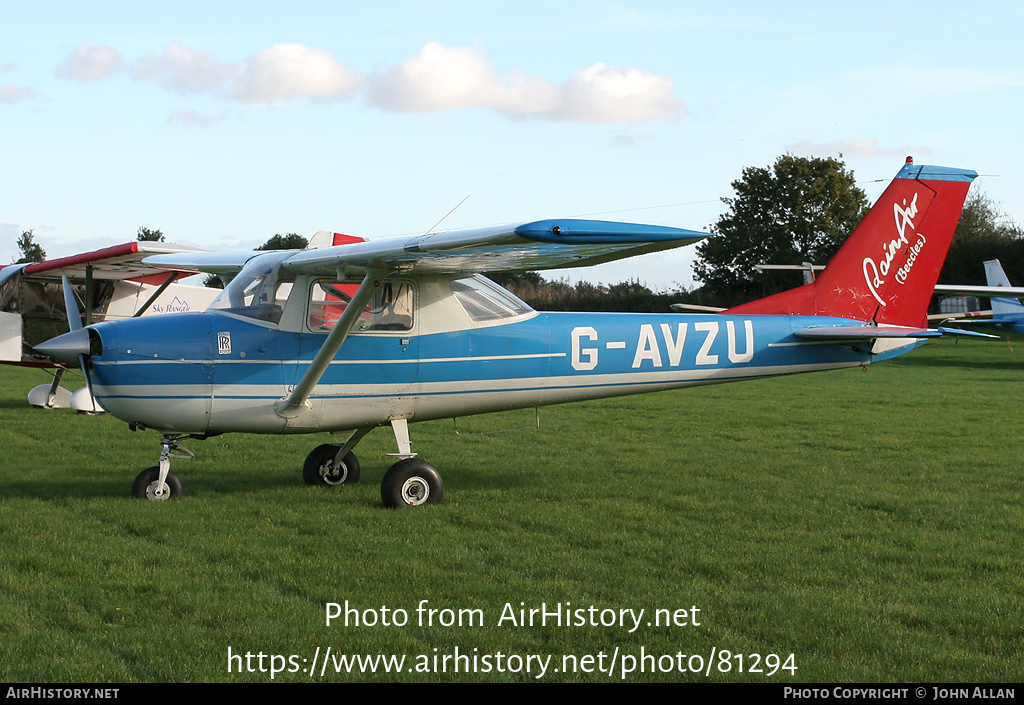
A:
[(223, 123)]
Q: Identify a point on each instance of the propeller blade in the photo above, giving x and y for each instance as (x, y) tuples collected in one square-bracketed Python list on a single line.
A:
[(83, 360), (73, 346), (71, 304)]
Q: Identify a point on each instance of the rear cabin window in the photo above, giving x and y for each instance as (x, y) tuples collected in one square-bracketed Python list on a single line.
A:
[(484, 300)]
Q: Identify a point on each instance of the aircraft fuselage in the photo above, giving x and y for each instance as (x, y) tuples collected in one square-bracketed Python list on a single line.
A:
[(212, 373)]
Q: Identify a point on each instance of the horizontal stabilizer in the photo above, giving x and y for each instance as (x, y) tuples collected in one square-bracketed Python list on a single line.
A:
[(852, 333), (966, 333), (696, 307), (840, 333)]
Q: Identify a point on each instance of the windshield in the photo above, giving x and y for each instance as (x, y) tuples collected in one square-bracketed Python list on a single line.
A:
[(259, 291)]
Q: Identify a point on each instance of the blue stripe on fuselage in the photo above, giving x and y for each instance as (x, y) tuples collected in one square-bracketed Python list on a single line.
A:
[(177, 350)]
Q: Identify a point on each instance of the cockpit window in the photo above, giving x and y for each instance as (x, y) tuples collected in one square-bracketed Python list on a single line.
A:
[(484, 300), (390, 310), (259, 291)]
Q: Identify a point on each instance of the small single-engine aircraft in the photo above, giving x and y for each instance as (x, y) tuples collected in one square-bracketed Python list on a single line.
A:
[(1007, 310), (113, 283), (366, 334)]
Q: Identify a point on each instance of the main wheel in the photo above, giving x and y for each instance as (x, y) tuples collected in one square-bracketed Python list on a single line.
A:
[(320, 467), (411, 482), (146, 485)]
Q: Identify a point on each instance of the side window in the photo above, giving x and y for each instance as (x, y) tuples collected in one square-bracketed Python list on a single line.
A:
[(390, 310), (483, 300)]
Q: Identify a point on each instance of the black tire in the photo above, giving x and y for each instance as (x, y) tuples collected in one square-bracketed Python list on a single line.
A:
[(145, 487), (319, 468), (411, 482)]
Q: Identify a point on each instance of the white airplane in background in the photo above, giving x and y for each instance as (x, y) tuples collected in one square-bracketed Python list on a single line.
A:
[(116, 285)]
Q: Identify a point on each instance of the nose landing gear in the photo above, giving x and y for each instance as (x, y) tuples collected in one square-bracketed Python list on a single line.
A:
[(158, 483)]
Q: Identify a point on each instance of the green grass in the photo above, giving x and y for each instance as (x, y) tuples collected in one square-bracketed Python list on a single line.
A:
[(869, 523)]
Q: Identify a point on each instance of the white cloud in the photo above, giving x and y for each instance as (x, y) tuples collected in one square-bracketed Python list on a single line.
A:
[(606, 94), (846, 148), (437, 78), (282, 72), (15, 94), (90, 62), (286, 71), (183, 70), (448, 78)]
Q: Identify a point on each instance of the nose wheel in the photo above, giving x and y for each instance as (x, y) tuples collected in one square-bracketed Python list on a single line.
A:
[(158, 483)]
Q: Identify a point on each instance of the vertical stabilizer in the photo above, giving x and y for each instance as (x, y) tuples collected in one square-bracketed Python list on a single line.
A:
[(1001, 305), (887, 268)]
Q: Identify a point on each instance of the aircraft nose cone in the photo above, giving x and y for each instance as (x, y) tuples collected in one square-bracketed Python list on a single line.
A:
[(67, 347)]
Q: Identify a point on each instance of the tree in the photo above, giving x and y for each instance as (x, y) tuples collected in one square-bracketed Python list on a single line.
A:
[(30, 250), (291, 241), (147, 235), (798, 210), (983, 233)]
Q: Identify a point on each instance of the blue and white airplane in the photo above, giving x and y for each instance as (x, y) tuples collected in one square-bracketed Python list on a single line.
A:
[(365, 334), (1007, 310)]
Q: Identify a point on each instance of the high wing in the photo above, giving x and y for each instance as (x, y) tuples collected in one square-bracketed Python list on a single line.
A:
[(115, 263), (544, 244)]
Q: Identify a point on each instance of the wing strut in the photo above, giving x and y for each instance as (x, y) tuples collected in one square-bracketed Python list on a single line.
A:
[(297, 404), (156, 294)]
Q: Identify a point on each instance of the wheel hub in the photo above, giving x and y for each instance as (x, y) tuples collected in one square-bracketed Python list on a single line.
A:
[(158, 491), (334, 473), (415, 491)]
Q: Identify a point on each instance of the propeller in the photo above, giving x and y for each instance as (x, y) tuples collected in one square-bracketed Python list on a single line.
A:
[(74, 346)]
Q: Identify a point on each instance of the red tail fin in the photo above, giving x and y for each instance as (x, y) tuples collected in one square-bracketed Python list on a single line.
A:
[(886, 270)]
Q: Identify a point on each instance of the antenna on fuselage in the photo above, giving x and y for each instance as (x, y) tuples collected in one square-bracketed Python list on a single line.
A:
[(447, 214)]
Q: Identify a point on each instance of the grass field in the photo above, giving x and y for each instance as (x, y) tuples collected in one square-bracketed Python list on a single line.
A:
[(867, 522)]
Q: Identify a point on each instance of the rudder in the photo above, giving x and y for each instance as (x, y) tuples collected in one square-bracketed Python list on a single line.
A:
[(1001, 305)]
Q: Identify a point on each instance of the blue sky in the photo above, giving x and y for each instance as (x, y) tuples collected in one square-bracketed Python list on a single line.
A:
[(223, 123)]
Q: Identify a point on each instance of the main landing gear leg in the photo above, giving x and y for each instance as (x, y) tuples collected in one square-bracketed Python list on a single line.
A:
[(410, 481), (334, 463), (158, 482)]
